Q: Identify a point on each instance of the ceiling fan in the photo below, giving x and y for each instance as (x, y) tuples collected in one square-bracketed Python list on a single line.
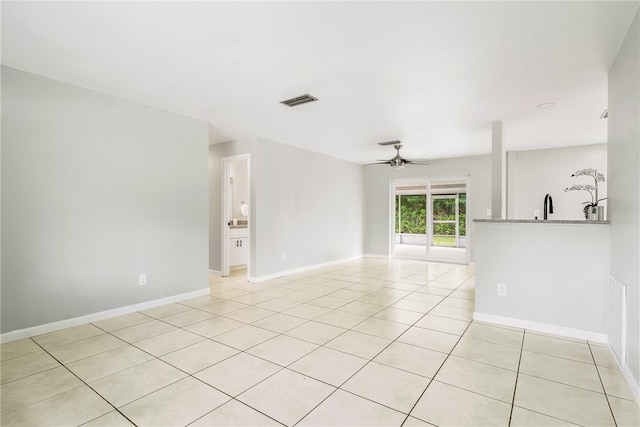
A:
[(398, 162)]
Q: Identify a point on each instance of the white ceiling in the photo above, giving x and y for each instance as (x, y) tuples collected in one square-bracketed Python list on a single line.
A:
[(432, 74)]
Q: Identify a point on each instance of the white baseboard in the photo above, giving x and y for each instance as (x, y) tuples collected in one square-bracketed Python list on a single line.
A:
[(633, 384), (376, 256), (628, 376), (541, 327), (215, 272), (94, 317), (259, 279)]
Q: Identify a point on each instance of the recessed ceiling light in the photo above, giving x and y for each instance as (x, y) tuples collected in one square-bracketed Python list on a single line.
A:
[(546, 105)]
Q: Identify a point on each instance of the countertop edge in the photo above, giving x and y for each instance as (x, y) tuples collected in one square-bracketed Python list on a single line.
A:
[(540, 221)]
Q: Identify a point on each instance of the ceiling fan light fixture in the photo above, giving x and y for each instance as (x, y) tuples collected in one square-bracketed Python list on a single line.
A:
[(397, 162)]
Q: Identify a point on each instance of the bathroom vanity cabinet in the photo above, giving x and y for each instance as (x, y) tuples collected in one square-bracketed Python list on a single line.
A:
[(238, 246)]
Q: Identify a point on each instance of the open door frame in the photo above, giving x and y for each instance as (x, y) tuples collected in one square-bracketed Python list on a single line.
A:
[(226, 193)]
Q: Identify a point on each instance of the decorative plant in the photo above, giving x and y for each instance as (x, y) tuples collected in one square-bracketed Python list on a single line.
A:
[(591, 189)]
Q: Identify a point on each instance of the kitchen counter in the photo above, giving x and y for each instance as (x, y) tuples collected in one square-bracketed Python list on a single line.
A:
[(541, 221), (550, 276)]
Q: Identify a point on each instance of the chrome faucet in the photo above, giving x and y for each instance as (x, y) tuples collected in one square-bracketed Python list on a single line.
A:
[(548, 202)]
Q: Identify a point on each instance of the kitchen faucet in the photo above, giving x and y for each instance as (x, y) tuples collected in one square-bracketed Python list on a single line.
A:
[(548, 201)]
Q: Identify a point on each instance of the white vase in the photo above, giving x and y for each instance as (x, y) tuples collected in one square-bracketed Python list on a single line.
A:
[(600, 213)]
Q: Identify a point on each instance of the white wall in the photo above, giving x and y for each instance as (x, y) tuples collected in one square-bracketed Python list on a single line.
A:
[(240, 193), (556, 274), (535, 173), (96, 190), (304, 204), (378, 183), (624, 183)]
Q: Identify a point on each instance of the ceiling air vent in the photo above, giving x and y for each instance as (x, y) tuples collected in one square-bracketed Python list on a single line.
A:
[(605, 114), (298, 100)]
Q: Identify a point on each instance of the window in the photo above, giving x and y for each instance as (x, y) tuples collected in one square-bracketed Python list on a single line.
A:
[(449, 218), (411, 214)]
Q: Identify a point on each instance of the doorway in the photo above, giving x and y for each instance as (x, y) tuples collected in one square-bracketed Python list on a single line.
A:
[(448, 221), (236, 224), (410, 235), (430, 220)]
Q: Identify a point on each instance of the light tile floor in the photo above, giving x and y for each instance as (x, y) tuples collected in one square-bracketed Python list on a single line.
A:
[(370, 342)]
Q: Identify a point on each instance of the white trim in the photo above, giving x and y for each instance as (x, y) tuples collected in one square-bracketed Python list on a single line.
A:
[(302, 269), (376, 256), (541, 327), (631, 381), (94, 317), (215, 272)]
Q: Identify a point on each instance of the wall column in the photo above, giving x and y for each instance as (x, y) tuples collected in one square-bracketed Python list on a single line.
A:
[(498, 168)]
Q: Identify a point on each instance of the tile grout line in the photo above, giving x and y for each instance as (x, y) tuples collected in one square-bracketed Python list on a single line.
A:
[(515, 387), (370, 316), (374, 356), (604, 390), (387, 346), (86, 384), (189, 375), (434, 375)]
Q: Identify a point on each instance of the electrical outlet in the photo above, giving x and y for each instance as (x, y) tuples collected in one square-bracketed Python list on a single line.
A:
[(488, 213), (284, 256), (502, 289), (536, 213), (142, 279)]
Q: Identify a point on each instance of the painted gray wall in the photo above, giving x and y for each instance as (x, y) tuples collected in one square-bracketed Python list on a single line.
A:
[(555, 274), (310, 206), (378, 180), (624, 182), (538, 172), (96, 190), (304, 204)]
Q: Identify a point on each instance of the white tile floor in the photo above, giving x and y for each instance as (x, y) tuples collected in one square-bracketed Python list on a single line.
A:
[(437, 253), (370, 342)]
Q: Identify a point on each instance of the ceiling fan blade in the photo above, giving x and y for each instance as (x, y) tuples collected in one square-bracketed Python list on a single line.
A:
[(416, 162), (379, 163), (389, 143)]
